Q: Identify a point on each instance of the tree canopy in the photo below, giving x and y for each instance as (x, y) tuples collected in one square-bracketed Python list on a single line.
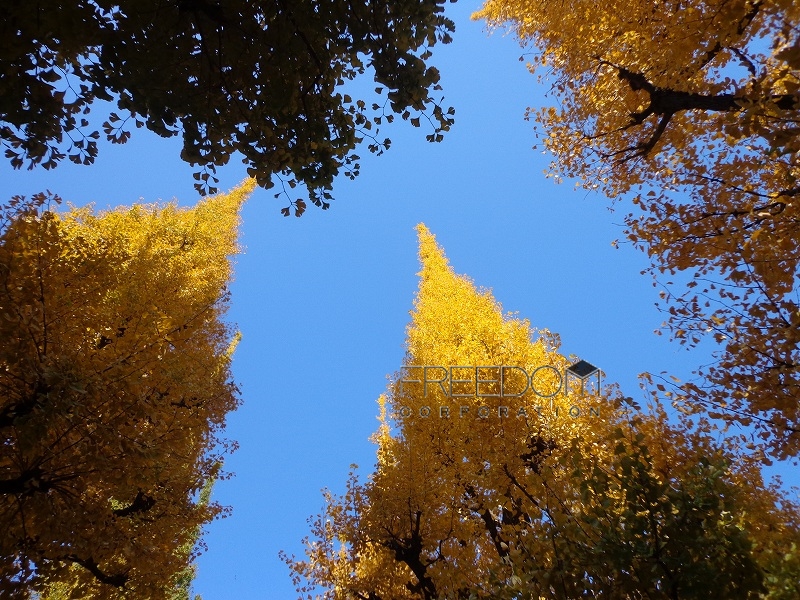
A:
[(486, 487), (269, 81), (692, 109), (115, 379)]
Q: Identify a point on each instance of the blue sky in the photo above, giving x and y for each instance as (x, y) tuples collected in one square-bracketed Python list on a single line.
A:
[(323, 301)]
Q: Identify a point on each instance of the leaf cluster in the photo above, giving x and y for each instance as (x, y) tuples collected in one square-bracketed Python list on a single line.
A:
[(114, 387), (692, 110), (540, 504), (259, 79)]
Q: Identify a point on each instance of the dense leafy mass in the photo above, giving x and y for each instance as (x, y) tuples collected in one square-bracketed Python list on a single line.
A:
[(265, 80), (691, 108), (569, 494), (114, 387)]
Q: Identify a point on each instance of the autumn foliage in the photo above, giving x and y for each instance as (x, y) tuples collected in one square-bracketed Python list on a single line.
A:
[(115, 379), (568, 493), (691, 109)]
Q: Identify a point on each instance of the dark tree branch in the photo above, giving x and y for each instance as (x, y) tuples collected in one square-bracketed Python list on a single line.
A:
[(12, 412), (745, 60), (118, 580), (409, 551), (27, 482), (142, 503), (521, 488), (666, 102), (492, 526), (33, 480), (744, 23)]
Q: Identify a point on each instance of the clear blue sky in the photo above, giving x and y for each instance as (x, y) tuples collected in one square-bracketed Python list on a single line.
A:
[(323, 301)]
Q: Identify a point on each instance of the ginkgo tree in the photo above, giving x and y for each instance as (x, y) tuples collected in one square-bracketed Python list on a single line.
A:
[(266, 82), (495, 479), (115, 379), (691, 109)]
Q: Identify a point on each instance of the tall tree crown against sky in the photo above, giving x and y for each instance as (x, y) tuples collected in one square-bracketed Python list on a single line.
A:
[(495, 478), (116, 384)]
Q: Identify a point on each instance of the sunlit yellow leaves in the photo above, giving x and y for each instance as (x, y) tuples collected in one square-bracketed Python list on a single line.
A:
[(539, 503), (115, 378), (697, 103), (416, 503)]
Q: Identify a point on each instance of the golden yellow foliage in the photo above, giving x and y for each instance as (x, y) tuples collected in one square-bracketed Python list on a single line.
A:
[(693, 109), (483, 489), (115, 379)]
